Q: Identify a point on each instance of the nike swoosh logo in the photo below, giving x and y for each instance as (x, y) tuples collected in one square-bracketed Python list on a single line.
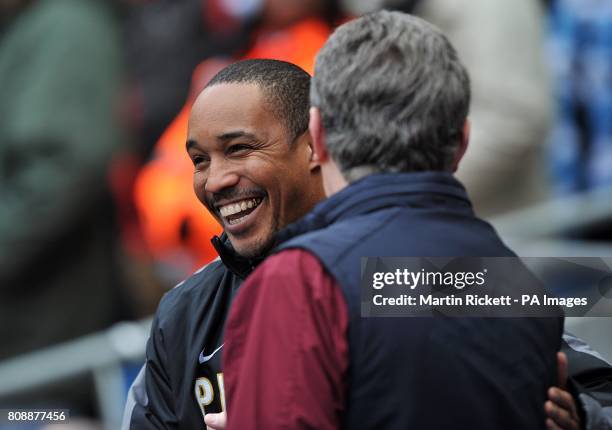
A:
[(204, 358)]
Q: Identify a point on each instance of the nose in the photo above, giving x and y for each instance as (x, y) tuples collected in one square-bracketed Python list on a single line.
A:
[(220, 176)]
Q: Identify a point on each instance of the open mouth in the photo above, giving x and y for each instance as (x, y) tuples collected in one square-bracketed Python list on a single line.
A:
[(236, 212)]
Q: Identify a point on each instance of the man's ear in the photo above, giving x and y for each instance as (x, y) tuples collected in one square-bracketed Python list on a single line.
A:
[(463, 144), (313, 161), (317, 134)]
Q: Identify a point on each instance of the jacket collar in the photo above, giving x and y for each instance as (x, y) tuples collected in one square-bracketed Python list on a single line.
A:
[(379, 191), (235, 263)]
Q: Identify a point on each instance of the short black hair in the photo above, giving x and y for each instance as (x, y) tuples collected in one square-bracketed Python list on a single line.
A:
[(285, 86)]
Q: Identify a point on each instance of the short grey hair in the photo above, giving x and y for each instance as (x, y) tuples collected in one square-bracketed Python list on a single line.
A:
[(392, 93)]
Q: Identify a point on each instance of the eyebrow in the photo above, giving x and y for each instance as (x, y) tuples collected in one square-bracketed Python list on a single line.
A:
[(225, 137), (235, 134), (190, 144)]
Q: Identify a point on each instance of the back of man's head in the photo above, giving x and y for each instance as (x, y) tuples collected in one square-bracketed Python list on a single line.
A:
[(392, 93), (284, 85)]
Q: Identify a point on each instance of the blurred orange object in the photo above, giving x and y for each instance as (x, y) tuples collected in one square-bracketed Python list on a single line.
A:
[(176, 227), (297, 44)]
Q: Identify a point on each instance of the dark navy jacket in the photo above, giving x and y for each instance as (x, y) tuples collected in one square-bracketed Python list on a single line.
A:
[(427, 373)]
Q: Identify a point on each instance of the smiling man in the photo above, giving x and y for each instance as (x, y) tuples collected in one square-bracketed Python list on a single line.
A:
[(250, 164), (254, 171)]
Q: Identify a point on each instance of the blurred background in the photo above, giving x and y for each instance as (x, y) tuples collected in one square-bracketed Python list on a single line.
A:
[(97, 213)]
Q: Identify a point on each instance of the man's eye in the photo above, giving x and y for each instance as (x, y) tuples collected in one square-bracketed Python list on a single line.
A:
[(199, 161), (239, 148)]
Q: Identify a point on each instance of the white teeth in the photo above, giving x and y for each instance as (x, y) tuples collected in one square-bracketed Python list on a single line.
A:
[(236, 221), (235, 208)]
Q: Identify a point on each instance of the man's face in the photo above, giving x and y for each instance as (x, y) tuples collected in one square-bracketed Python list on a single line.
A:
[(248, 174)]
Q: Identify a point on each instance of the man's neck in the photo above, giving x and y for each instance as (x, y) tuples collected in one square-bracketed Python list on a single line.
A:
[(333, 180)]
